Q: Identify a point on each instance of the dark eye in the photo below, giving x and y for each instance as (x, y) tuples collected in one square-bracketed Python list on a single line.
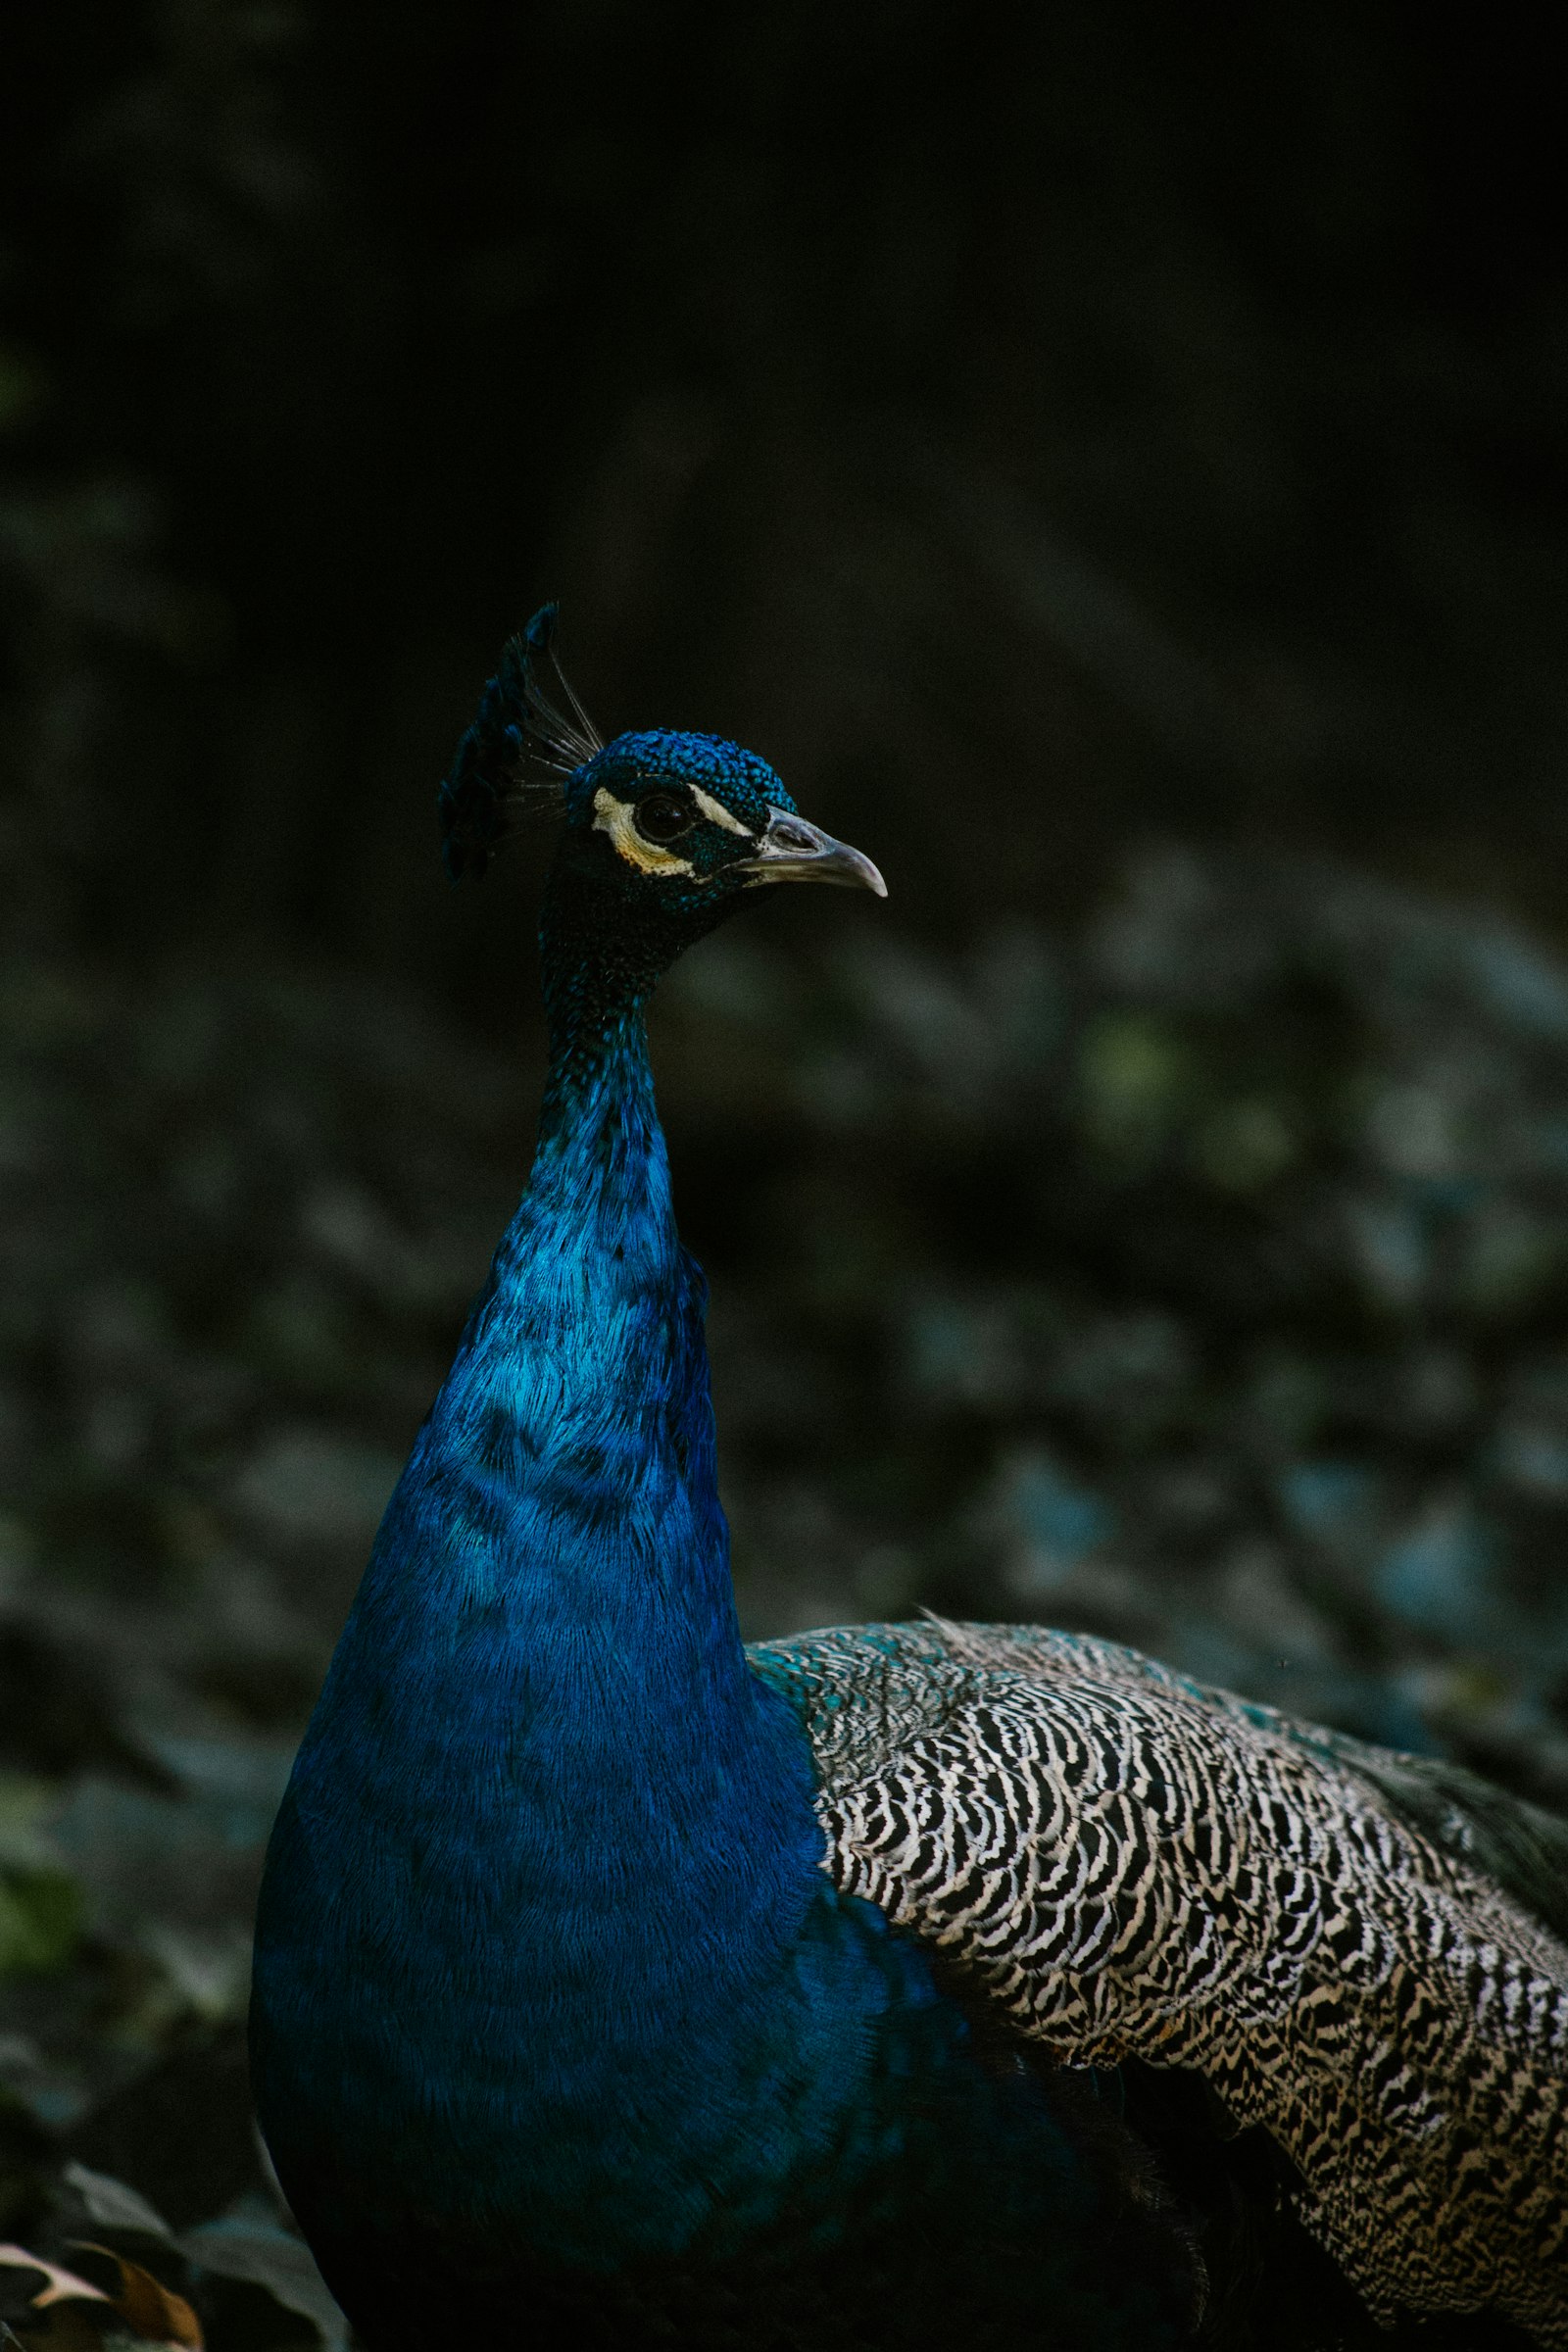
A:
[(660, 817)]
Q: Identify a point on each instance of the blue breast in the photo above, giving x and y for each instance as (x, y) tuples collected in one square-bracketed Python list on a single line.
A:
[(555, 2009)]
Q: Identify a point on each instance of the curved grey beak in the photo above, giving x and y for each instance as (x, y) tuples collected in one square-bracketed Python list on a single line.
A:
[(793, 851)]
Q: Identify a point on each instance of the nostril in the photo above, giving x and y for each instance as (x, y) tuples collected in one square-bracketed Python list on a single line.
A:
[(795, 837)]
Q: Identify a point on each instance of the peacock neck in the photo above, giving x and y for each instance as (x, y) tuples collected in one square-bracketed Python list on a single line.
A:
[(597, 980), (555, 1568), (540, 1744), (579, 1400)]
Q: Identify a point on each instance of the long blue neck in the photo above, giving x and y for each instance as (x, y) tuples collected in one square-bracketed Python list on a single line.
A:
[(571, 1451), (540, 1743), (573, 1442), (558, 1540)]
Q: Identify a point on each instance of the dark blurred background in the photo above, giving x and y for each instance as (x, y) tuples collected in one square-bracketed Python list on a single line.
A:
[(1115, 467)]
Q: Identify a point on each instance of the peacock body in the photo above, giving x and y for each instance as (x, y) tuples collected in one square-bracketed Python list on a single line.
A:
[(886, 1987)]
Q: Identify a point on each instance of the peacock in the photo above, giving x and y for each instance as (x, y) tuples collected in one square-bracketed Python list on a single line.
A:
[(895, 1987)]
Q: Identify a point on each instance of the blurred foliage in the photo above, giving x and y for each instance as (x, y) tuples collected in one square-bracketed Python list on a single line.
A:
[(1118, 429)]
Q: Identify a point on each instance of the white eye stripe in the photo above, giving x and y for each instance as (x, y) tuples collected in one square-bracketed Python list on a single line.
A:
[(616, 818), (717, 814)]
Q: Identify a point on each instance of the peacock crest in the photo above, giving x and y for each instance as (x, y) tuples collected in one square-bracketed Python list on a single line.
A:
[(528, 735)]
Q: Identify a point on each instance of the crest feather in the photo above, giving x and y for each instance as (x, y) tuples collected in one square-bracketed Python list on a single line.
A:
[(528, 735)]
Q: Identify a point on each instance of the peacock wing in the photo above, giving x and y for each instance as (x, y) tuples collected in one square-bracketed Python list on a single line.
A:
[(1351, 1947)]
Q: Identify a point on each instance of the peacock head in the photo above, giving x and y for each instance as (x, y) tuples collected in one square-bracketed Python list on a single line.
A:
[(674, 827)]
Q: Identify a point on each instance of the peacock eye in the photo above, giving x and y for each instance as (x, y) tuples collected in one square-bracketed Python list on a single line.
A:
[(660, 817)]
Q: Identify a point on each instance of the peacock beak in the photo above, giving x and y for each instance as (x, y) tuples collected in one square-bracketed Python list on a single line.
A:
[(793, 851)]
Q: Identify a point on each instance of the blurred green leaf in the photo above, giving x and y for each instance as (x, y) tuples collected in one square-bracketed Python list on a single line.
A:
[(40, 1902), (265, 2256), (113, 2204)]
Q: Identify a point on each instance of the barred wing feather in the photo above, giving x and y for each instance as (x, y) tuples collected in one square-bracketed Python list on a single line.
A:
[(1130, 1866)]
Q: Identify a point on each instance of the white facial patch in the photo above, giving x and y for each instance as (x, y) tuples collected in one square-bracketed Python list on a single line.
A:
[(717, 814), (616, 818)]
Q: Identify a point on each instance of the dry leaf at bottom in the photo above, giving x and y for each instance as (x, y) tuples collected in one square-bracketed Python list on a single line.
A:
[(61, 2283), (149, 2309), (152, 2308)]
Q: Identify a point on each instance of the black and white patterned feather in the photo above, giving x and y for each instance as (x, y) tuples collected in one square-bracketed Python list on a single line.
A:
[(1129, 1866)]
